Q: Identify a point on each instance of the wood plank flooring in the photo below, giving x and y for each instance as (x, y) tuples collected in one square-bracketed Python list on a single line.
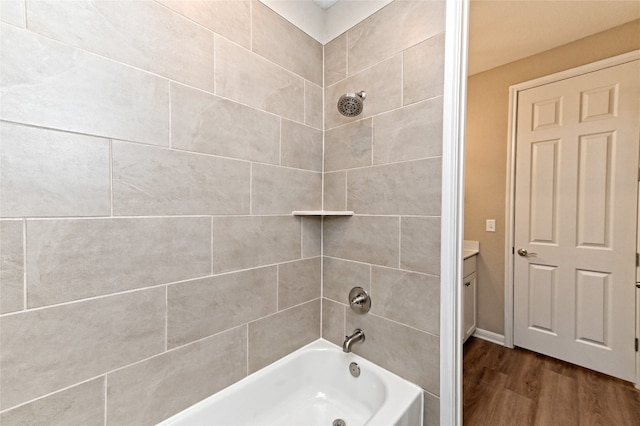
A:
[(516, 387)]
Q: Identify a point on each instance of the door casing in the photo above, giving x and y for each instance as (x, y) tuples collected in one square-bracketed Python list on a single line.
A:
[(510, 190)]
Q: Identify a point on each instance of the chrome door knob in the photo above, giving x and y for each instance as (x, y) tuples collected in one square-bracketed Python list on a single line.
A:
[(524, 253)]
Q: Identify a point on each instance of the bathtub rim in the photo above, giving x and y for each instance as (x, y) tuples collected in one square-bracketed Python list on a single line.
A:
[(400, 393)]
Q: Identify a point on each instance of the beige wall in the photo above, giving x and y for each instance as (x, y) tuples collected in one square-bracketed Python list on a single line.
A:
[(385, 165), (486, 156), (151, 154)]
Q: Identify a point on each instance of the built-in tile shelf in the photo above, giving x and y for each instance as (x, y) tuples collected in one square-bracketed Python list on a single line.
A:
[(322, 213)]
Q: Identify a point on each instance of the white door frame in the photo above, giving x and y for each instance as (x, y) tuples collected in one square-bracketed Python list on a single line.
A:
[(511, 157), (454, 112)]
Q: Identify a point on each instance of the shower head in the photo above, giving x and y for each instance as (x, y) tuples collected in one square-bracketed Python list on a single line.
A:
[(350, 104)]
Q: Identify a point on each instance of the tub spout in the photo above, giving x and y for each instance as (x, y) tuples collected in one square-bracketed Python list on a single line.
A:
[(357, 336)]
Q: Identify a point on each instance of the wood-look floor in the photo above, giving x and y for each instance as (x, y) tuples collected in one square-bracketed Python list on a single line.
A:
[(516, 387)]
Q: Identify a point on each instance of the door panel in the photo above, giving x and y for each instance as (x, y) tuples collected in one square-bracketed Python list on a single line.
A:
[(575, 214)]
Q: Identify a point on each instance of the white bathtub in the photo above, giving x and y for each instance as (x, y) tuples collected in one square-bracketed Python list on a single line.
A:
[(311, 386)]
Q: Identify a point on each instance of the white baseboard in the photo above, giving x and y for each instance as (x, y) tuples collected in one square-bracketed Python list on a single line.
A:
[(489, 336)]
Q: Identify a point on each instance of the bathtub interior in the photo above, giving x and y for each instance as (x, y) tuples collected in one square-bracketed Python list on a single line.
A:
[(311, 386)]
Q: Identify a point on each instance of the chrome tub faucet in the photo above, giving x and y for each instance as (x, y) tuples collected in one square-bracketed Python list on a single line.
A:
[(357, 336)]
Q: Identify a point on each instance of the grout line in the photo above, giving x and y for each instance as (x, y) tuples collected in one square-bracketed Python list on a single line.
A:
[(250, 189), (250, 29), (215, 62), (373, 129), (196, 216), (388, 111), (277, 288), (346, 56), (24, 265), (399, 241), (411, 271), (26, 20), (111, 175), (280, 144), (106, 395), (413, 160), (211, 246), (346, 189), (247, 348), (402, 79), (302, 238), (170, 111), (166, 318), (344, 320), (82, 382), (101, 296)]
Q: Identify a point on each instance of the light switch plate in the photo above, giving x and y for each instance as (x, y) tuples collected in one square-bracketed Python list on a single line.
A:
[(491, 225)]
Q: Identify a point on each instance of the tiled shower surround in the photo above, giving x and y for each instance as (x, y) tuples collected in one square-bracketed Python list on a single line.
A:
[(151, 155)]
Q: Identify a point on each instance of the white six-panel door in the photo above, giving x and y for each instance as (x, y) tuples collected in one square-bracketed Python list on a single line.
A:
[(575, 219)]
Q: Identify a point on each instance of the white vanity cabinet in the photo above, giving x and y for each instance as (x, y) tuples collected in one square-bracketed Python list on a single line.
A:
[(469, 285)]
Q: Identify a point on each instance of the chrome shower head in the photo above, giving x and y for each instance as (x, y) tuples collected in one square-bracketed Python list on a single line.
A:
[(350, 104)]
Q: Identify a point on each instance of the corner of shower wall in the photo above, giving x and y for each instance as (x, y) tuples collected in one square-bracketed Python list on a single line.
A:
[(385, 165)]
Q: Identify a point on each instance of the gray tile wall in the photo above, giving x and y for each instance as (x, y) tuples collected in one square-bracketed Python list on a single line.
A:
[(385, 165), (148, 174), (151, 154)]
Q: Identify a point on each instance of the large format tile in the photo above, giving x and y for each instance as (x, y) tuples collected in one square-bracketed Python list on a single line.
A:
[(13, 12), (431, 407), (333, 321), (247, 78), (280, 190), (50, 84), (48, 349), (423, 71), (143, 34), (396, 27), (382, 83), (79, 405), (335, 191), (407, 297), (200, 308), (11, 265), (49, 173), (340, 276), (405, 351), (313, 108), (156, 181), (75, 259), (280, 41), (335, 60), (370, 239), (409, 188), (229, 18), (299, 282), (301, 146), (275, 336), (348, 146), (408, 133), (243, 242), (420, 244), (311, 236), (150, 391), (206, 123)]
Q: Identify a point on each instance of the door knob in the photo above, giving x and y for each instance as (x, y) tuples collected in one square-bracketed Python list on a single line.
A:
[(525, 253)]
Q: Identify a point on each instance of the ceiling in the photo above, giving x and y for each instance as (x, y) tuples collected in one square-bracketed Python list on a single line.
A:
[(503, 31), (325, 4), (500, 31)]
